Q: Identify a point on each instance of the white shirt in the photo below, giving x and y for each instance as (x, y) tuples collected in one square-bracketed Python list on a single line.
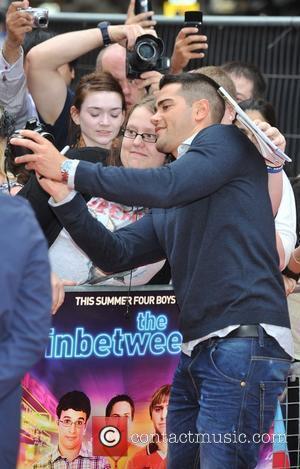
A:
[(14, 95)]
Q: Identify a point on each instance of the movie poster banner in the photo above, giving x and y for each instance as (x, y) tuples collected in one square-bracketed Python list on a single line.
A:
[(105, 342)]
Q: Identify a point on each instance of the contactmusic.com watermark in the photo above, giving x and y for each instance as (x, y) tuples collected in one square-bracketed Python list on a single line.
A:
[(206, 438), (110, 437)]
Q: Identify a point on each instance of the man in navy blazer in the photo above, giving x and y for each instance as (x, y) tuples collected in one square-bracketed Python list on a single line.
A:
[(25, 303), (212, 218)]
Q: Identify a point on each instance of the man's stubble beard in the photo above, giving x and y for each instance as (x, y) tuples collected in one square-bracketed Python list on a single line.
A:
[(164, 146)]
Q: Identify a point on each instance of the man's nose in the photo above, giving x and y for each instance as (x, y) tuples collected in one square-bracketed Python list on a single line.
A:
[(155, 118), (72, 427)]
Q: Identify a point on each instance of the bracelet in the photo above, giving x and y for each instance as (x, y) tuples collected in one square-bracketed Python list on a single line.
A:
[(274, 169)]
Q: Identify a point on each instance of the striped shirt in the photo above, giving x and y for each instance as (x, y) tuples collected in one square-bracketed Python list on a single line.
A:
[(84, 460)]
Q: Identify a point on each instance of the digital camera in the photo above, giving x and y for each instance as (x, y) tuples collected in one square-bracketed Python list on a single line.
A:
[(145, 56), (40, 16), (12, 151)]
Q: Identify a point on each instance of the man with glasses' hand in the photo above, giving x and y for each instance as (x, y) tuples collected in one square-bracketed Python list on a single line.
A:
[(72, 412)]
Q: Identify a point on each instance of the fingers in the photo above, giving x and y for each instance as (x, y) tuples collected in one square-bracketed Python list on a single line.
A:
[(68, 283), (151, 79), (58, 292), (185, 31), (289, 284), (130, 10), (143, 19), (272, 133)]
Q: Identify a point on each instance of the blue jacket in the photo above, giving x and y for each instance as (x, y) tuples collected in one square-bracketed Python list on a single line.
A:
[(25, 298), (212, 220)]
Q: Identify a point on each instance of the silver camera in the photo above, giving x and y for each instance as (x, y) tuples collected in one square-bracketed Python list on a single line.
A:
[(40, 16)]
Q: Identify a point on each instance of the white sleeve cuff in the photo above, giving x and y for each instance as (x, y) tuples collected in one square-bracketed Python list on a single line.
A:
[(67, 199)]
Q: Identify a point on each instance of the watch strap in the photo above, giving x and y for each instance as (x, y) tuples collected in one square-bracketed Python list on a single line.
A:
[(103, 25)]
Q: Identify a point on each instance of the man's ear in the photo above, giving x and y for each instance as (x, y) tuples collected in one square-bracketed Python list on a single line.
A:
[(201, 109), (75, 115)]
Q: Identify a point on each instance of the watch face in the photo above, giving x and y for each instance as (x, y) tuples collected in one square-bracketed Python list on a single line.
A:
[(65, 168)]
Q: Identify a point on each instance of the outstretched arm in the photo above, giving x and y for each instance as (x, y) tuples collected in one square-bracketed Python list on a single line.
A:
[(121, 250), (206, 167), (45, 59), (13, 89)]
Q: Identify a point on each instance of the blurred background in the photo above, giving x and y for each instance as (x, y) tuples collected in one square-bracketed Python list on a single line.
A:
[(209, 7)]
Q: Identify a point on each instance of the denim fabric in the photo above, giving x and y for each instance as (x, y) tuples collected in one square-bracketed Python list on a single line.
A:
[(223, 398)]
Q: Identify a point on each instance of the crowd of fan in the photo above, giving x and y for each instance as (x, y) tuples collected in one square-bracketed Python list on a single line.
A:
[(96, 114)]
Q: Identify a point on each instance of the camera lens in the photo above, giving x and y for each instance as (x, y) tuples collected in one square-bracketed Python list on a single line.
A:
[(42, 21), (146, 51)]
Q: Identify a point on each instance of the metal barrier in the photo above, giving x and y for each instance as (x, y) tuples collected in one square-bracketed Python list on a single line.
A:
[(271, 43)]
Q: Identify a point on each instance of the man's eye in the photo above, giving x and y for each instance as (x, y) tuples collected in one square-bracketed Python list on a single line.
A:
[(79, 423), (67, 421)]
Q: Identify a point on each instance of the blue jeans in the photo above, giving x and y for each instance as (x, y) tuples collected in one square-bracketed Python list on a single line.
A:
[(223, 399)]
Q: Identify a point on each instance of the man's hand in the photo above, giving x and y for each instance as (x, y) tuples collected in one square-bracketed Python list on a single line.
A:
[(58, 291), (18, 23), (45, 158), (57, 190), (188, 45), (143, 19), (126, 35), (150, 80)]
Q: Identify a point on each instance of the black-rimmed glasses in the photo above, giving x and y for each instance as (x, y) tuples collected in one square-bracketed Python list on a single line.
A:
[(129, 133), (66, 422)]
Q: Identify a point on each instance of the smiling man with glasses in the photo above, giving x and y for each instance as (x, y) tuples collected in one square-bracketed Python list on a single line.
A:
[(73, 411)]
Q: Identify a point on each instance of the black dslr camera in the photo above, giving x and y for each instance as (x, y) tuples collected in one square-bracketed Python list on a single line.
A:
[(12, 151), (145, 56)]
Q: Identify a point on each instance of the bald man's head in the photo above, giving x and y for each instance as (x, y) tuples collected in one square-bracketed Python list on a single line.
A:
[(112, 59)]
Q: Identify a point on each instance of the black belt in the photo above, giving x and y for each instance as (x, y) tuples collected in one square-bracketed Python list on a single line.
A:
[(249, 330)]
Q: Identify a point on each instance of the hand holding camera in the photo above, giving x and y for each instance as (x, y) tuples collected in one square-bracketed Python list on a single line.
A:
[(126, 35), (140, 12), (189, 43), (18, 24)]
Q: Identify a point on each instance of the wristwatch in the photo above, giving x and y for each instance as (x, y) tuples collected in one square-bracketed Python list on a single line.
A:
[(65, 169), (103, 25)]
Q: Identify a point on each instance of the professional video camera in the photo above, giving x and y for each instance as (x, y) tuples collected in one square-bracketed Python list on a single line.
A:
[(145, 56), (40, 16)]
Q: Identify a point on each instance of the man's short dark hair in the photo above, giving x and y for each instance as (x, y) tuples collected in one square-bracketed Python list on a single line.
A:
[(119, 398), (76, 400), (196, 86), (251, 72)]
